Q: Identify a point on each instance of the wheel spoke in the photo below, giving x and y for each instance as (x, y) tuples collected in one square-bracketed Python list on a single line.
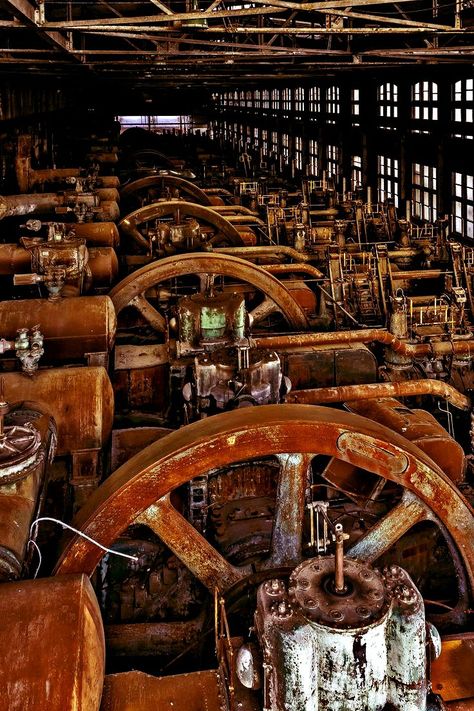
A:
[(149, 313), (386, 532), (263, 310), (190, 546), (287, 543)]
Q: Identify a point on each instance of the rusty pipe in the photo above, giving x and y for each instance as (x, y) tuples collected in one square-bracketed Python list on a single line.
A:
[(252, 252), (234, 210), (290, 268), (408, 388), (367, 335)]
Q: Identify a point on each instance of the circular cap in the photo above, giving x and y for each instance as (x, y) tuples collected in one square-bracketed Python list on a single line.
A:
[(364, 602), (18, 447)]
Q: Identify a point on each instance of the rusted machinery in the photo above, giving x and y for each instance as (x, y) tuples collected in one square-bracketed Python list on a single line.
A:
[(263, 449)]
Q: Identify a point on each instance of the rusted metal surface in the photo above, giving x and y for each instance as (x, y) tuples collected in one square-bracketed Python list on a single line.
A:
[(225, 229), (199, 691), (104, 266), (128, 442), (71, 327), (287, 536), (416, 350), (80, 400), (294, 269), (405, 388), (421, 428), (452, 676), (196, 263), (326, 647), (266, 251), (163, 182), (151, 639), (329, 366), (41, 203), (27, 447), (244, 434), (52, 645), (98, 234), (209, 566), (14, 259)]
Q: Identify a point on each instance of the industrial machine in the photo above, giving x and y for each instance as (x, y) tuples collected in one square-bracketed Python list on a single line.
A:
[(235, 452)]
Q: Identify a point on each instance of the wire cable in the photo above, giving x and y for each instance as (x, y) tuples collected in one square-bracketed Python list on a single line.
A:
[(78, 532)]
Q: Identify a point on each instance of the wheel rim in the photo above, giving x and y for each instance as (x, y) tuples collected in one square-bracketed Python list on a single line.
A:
[(137, 492), (152, 181), (132, 288), (226, 230)]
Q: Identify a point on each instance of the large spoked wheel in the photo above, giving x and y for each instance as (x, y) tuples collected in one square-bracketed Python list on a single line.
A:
[(139, 491), (146, 190), (225, 233), (132, 290)]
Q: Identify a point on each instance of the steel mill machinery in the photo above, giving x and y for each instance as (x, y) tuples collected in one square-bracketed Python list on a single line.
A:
[(235, 470)]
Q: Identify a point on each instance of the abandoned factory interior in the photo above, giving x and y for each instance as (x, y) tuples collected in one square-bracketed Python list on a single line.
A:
[(236, 355)]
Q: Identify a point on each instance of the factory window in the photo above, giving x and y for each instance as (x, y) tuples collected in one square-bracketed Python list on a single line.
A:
[(257, 99), (248, 137), (256, 137), (298, 153), (424, 185), (286, 101), (387, 100), (424, 96), (463, 204), (235, 101), (313, 156), (276, 99), (264, 143), (285, 148), (156, 124), (332, 158), (314, 99), (463, 107), (241, 99), (333, 105), (387, 179), (265, 99), (225, 99), (249, 99), (275, 144), (355, 106), (299, 99), (356, 172)]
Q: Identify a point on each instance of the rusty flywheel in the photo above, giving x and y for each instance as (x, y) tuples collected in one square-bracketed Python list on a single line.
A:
[(132, 289), (137, 492), (226, 232)]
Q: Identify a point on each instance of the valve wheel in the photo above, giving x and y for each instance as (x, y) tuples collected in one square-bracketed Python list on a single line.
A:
[(131, 290), (225, 232), (138, 492)]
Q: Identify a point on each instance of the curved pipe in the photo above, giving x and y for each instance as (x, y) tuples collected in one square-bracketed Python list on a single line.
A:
[(235, 210), (290, 268), (367, 335), (265, 251), (172, 181), (251, 252), (408, 388), (129, 224)]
